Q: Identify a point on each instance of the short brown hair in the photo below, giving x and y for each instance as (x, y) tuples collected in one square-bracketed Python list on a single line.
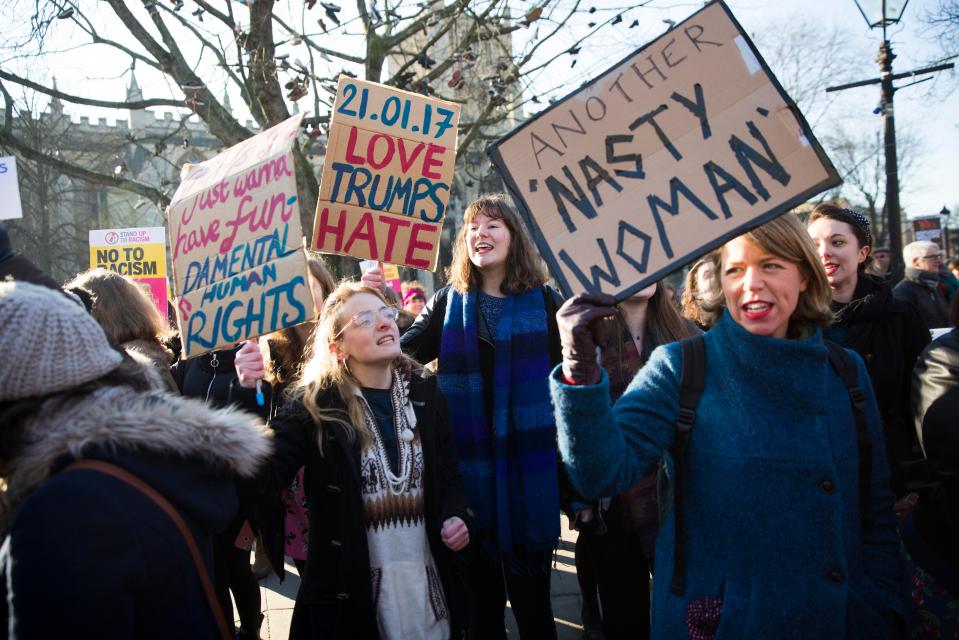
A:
[(121, 306), (863, 237), (524, 268), (786, 238)]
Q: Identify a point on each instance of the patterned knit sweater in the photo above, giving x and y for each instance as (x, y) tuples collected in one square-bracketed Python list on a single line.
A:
[(407, 592)]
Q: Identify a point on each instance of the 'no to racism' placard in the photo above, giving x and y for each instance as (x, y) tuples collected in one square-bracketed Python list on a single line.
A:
[(684, 144), (139, 253), (386, 177), (239, 267)]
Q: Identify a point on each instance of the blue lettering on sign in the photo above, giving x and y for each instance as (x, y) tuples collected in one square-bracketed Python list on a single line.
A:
[(243, 257), (260, 314)]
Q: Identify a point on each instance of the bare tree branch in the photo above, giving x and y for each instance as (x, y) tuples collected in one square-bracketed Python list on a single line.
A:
[(91, 102)]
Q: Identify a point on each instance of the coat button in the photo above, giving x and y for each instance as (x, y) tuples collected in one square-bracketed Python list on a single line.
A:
[(336, 543), (332, 488), (342, 596), (828, 486), (836, 577)]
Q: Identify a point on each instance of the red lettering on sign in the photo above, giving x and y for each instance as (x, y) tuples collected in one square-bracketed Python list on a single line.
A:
[(431, 161), (364, 231), (324, 227), (394, 224), (417, 244)]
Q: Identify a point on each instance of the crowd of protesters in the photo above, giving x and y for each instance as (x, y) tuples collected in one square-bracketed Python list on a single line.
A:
[(777, 455)]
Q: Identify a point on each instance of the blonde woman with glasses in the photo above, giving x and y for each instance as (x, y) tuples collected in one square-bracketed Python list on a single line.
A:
[(387, 511)]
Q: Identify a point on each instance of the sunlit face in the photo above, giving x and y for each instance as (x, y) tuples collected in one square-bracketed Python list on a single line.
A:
[(929, 261), (372, 345), (704, 279), (487, 242), (761, 290), (839, 251), (415, 305)]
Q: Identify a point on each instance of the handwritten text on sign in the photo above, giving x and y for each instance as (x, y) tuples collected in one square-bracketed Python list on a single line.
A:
[(386, 178), (686, 143), (264, 299), (236, 211), (232, 221)]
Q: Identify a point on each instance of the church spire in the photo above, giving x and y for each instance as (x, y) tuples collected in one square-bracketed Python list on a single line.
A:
[(133, 90), (56, 106)]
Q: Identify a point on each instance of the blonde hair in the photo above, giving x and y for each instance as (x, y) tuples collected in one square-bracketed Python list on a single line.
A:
[(324, 371), (786, 238), (524, 268), (691, 302), (121, 306)]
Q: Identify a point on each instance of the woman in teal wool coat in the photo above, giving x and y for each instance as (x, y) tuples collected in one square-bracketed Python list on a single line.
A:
[(779, 541)]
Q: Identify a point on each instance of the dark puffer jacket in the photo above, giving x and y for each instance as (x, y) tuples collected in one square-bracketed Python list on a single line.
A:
[(889, 335), (921, 290), (936, 402), (335, 599), (87, 555)]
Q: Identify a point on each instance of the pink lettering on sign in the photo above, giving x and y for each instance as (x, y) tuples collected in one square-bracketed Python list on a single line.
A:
[(394, 224), (416, 243), (382, 148)]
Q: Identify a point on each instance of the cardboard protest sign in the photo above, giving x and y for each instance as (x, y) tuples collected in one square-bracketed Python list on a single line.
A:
[(387, 173), (10, 205), (684, 144), (266, 298), (234, 227), (139, 253)]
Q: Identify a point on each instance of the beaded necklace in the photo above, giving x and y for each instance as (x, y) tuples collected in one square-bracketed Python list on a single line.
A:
[(398, 484)]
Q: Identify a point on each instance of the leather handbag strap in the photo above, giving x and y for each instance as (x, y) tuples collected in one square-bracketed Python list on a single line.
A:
[(137, 483)]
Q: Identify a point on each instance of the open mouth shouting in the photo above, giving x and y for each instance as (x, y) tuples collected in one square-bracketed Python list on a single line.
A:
[(831, 268), (387, 339), (482, 248), (757, 309)]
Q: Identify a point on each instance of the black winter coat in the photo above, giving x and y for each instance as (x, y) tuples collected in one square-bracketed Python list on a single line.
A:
[(89, 556), (212, 377), (936, 402), (335, 599), (422, 340), (889, 335), (929, 302)]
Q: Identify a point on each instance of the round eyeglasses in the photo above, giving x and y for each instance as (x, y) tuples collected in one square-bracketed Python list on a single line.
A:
[(366, 319)]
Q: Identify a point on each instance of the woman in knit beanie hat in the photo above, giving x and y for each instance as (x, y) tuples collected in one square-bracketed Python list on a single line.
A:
[(86, 554)]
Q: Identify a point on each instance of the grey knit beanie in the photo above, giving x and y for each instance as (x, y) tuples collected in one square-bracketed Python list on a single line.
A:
[(47, 343)]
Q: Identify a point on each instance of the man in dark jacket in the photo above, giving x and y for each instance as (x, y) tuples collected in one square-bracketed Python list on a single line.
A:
[(920, 286), (14, 266), (86, 554)]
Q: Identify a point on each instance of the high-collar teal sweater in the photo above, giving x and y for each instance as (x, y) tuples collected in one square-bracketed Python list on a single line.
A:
[(773, 541)]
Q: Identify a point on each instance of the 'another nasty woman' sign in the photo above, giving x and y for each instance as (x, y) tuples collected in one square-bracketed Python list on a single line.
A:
[(239, 267), (683, 145)]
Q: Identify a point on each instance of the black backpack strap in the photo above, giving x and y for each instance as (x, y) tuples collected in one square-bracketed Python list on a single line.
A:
[(843, 364), (692, 381)]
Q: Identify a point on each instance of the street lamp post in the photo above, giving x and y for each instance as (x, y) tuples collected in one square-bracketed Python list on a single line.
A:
[(882, 13), (888, 14), (893, 212)]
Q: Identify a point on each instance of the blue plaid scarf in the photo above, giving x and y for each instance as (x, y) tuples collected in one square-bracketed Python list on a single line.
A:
[(509, 462)]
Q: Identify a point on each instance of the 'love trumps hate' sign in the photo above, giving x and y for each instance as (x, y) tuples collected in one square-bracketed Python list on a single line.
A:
[(386, 177), (239, 267), (683, 145)]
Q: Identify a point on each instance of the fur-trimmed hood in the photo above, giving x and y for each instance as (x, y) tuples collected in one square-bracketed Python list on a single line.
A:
[(118, 419)]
